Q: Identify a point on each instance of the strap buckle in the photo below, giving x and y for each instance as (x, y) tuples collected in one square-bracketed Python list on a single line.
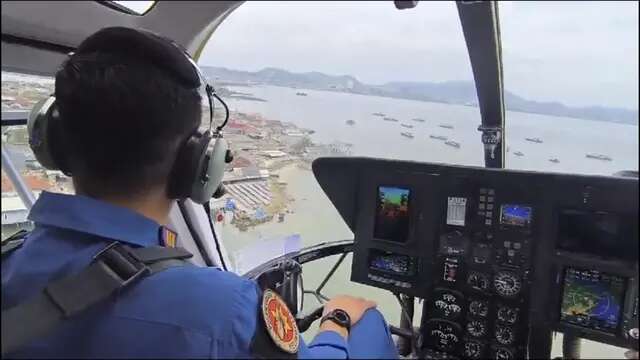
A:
[(122, 262)]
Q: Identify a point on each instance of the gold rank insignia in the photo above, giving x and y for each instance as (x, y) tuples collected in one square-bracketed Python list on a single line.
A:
[(168, 238), (280, 323)]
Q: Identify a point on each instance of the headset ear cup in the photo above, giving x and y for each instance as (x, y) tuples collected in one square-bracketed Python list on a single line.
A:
[(39, 126), (210, 173)]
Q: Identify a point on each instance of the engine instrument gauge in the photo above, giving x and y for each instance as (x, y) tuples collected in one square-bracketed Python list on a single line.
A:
[(447, 304), (478, 281), (477, 328), (505, 335), (443, 335), (503, 354), (479, 308), (507, 314), (507, 284), (473, 349)]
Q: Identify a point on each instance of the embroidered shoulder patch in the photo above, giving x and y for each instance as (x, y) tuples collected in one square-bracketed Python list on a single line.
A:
[(279, 322)]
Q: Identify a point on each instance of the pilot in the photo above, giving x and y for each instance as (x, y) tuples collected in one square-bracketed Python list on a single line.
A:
[(125, 110)]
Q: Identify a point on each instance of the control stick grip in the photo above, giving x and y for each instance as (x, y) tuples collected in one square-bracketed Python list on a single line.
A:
[(305, 322)]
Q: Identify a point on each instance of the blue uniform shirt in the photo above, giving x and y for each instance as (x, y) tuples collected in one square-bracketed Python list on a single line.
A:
[(184, 312)]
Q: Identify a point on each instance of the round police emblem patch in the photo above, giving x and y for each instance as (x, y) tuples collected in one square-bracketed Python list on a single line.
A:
[(280, 323)]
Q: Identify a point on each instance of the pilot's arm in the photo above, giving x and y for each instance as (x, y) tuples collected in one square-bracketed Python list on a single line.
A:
[(264, 328)]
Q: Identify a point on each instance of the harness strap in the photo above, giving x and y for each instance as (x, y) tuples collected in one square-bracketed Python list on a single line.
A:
[(113, 269)]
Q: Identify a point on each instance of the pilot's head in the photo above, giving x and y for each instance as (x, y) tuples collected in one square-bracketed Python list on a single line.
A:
[(127, 101)]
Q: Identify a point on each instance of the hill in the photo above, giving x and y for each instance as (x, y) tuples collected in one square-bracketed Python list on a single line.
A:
[(453, 92)]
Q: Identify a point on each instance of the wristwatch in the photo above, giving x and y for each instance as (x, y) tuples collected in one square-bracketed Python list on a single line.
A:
[(339, 317)]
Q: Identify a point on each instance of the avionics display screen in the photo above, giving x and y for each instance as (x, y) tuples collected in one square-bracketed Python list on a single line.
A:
[(391, 263), (392, 214), (515, 215), (597, 233), (592, 299)]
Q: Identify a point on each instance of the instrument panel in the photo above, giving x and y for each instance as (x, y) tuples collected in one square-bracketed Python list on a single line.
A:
[(500, 257)]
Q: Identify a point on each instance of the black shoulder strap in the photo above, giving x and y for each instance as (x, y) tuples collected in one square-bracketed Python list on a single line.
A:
[(113, 269), (13, 242)]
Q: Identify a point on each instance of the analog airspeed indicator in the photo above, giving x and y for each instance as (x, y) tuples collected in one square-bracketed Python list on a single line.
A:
[(507, 284)]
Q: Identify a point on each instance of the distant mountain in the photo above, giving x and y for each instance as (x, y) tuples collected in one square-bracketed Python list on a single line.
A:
[(453, 92)]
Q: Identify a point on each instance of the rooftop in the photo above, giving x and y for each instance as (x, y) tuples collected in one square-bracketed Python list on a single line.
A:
[(34, 182)]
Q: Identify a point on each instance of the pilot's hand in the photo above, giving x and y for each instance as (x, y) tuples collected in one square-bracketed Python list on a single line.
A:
[(631, 354), (354, 306)]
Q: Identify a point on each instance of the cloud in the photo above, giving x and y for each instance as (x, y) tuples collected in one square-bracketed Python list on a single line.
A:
[(579, 53)]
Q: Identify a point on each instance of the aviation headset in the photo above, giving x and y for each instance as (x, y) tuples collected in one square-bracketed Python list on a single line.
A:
[(198, 169)]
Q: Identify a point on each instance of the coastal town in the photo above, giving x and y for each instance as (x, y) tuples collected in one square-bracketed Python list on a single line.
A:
[(254, 192)]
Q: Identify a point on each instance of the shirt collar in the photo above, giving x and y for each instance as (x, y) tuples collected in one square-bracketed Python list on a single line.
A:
[(88, 215)]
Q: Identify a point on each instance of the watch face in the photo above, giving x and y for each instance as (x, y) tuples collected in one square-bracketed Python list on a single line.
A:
[(341, 316)]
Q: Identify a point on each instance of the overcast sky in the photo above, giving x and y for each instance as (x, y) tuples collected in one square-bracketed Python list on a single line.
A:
[(579, 53)]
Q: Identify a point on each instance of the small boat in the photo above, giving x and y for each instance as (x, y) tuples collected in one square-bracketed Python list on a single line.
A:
[(518, 153), (407, 126), (301, 94), (378, 114), (438, 137), (554, 160), (390, 119), (446, 126), (598, 157), (407, 134), (418, 120), (453, 143), (535, 140), (350, 122)]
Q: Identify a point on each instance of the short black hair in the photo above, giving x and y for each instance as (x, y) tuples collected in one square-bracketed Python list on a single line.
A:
[(124, 119)]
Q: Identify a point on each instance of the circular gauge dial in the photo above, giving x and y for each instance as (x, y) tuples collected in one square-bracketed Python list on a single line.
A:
[(444, 335), (478, 281), (505, 335), (477, 328), (473, 349), (447, 305), (507, 284), (507, 314), (479, 308), (503, 354)]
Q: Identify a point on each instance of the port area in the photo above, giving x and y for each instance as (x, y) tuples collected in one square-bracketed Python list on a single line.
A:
[(262, 147)]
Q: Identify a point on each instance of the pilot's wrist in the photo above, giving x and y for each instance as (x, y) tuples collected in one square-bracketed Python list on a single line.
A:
[(331, 326)]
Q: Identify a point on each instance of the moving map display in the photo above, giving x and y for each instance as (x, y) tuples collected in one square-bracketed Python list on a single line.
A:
[(592, 299), (392, 214)]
